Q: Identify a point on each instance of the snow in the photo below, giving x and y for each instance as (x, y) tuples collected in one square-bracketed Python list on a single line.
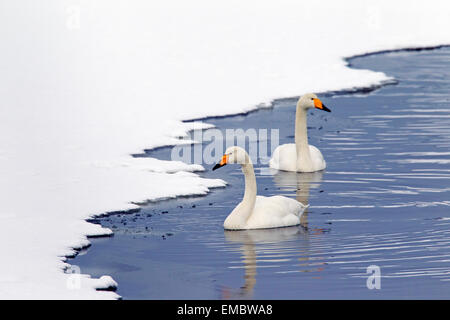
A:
[(85, 84)]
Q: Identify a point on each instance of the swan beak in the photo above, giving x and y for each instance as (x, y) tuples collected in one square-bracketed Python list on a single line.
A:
[(222, 162), (319, 105)]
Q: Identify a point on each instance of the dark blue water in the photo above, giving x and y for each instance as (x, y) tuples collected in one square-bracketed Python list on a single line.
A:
[(383, 200)]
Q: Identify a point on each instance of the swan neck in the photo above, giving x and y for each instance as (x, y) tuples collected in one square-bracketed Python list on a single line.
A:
[(250, 186), (301, 136), (238, 218)]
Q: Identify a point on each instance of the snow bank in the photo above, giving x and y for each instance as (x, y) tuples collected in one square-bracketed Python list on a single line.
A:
[(84, 84)]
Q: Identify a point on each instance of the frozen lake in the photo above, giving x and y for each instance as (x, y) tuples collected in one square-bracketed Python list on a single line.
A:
[(383, 200)]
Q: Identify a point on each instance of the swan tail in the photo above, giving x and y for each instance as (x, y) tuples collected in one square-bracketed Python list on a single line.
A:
[(303, 207)]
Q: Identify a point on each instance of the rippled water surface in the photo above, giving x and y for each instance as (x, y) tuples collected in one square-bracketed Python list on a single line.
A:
[(383, 200)]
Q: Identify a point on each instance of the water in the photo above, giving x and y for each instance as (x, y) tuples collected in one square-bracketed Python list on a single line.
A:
[(383, 200)]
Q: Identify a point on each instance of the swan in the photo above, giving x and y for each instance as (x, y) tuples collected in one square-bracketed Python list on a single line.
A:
[(257, 212), (300, 157)]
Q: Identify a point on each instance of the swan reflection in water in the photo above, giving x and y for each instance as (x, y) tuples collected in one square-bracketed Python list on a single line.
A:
[(270, 246)]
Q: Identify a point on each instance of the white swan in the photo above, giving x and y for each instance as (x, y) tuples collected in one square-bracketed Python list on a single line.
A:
[(257, 212), (300, 157)]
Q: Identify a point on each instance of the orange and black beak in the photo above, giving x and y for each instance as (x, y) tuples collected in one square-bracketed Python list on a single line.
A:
[(319, 105), (222, 162)]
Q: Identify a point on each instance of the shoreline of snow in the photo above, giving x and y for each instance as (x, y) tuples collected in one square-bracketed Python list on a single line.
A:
[(79, 102), (400, 49), (344, 90)]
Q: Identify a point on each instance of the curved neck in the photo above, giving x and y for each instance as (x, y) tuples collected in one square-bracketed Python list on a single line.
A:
[(250, 186), (301, 138), (237, 219)]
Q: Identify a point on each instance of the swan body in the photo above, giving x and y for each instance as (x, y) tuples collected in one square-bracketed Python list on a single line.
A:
[(283, 155), (268, 212), (300, 157), (258, 212)]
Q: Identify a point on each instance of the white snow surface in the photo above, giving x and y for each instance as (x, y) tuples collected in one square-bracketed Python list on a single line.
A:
[(84, 84)]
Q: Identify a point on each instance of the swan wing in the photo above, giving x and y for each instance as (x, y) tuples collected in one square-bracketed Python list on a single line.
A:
[(276, 211), (317, 158), (284, 158)]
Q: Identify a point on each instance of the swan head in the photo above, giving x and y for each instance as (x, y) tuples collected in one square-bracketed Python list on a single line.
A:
[(233, 155), (309, 101)]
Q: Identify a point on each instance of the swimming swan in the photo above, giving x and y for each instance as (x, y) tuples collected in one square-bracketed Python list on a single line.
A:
[(300, 157), (257, 212)]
